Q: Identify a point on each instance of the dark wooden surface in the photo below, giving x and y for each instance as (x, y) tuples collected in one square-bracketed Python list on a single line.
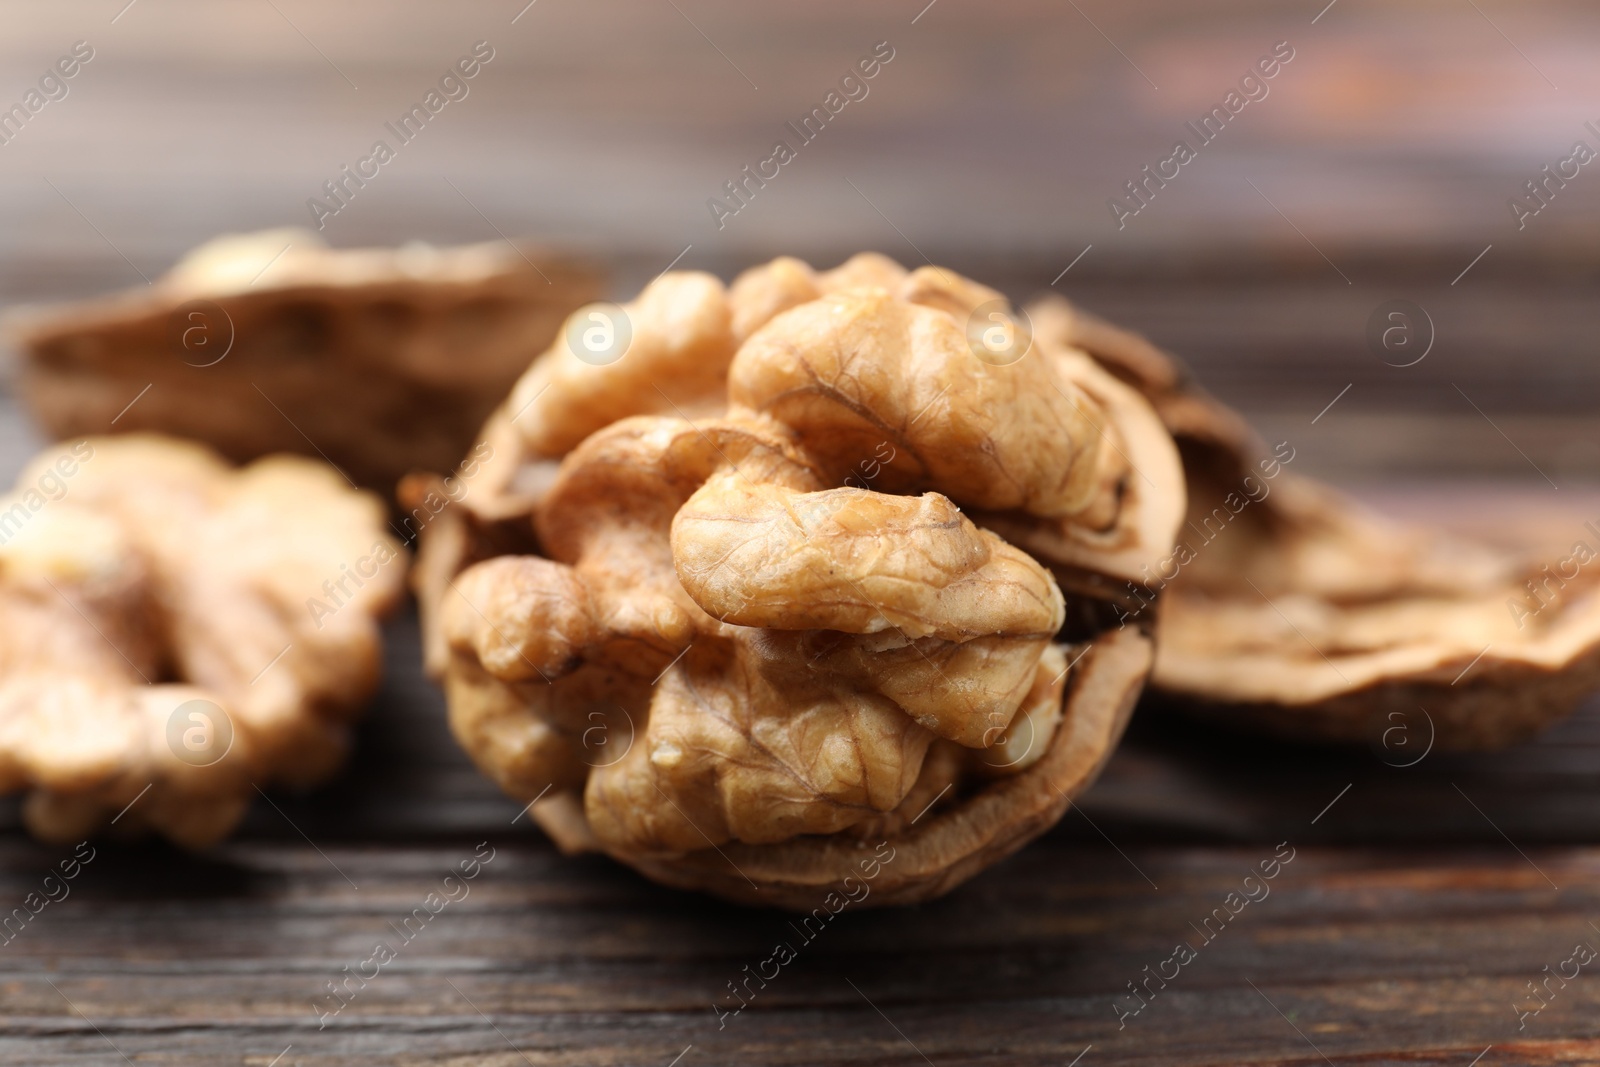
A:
[(1422, 899), (1419, 905)]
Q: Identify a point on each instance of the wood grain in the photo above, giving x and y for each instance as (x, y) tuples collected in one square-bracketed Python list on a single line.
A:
[(1402, 931), (1421, 899), (1420, 902), (1379, 956)]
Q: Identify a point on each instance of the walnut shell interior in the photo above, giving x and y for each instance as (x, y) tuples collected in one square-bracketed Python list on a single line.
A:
[(381, 361), (1292, 609)]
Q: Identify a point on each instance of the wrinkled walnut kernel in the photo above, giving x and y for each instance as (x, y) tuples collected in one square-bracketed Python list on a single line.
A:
[(157, 563), (800, 647)]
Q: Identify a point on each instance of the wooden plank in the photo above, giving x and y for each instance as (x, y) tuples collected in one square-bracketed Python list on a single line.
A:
[(1421, 901), (1004, 128), (1378, 955)]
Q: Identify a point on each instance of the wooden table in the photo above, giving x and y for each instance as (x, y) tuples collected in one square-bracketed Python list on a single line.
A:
[(1418, 903)]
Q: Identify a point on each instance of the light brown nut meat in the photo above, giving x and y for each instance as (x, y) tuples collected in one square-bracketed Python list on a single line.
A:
[(864, 368), (665, 351), (965, 691), (778, 615), (516, 459), (762, 293), (176, 624), (670, 346), (678, 337), (411, 348), (1291, 609), (719, 763), (650, 620), (856, 561)]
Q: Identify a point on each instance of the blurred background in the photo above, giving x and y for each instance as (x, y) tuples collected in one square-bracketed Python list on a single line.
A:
[(1379, 165)]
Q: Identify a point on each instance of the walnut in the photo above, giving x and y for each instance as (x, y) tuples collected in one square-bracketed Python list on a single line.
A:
[(737, 607), (380, 361), (1305, 615), (179, 625)]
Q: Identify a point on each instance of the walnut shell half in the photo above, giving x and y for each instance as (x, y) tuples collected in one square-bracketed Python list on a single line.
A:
[(381, 361), (800, 582), (1292, 609)]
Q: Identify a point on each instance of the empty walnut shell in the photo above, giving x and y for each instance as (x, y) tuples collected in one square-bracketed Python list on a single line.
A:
[(178, 632), (802, 578), (380, 361), (1291, 609)]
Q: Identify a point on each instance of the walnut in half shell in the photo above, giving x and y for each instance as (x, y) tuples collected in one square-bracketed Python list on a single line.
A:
[(1292, 609), (797, 575), (388, 359), (177, 630)]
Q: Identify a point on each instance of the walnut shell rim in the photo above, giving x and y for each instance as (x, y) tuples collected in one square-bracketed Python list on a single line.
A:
[(411, 347), (1474, 696), (1514, 704), (956, 843)]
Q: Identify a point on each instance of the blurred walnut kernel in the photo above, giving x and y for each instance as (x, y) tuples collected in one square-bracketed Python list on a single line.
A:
[(169, 640)]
